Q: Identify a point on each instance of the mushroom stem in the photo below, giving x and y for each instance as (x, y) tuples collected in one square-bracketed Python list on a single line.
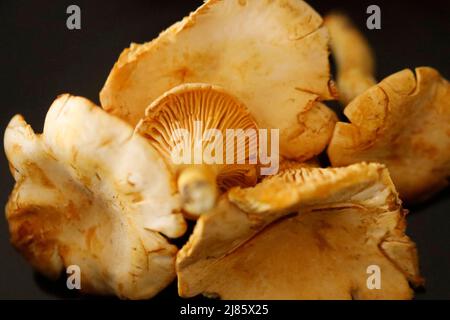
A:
[(198, 189)]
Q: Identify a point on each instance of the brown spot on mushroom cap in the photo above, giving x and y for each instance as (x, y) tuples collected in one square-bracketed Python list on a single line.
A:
[(260, 51), (402, 122), (33, 235)]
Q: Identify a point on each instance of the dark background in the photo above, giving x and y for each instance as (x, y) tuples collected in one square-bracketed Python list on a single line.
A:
[(40, 58)]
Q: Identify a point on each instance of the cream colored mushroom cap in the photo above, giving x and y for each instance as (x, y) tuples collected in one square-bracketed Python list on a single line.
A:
[(272, 55), (343, 221), (91, 193), (403, 122)]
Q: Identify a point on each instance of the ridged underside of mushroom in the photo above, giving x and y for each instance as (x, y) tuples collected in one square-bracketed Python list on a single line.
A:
[(272, 55), (288, 168), (201, 114), (403, 122), (343, 221), (354, 58), (91, 193)]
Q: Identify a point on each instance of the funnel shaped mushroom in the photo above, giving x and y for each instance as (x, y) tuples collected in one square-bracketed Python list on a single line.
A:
[(272, 55), (403, 122), (354, 58), (208, 138), (91, 193), (348, 221)]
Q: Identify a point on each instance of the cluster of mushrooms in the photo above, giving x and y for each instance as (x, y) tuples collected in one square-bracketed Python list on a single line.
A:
[(98, 189)]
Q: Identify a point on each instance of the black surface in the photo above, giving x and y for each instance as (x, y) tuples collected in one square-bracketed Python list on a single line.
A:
[(40, 58)]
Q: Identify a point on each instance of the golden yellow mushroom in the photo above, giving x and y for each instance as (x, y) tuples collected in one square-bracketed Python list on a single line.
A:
[(403, 122), (316, 235)]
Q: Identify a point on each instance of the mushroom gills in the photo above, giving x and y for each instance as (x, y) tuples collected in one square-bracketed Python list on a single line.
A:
[(189, 126)]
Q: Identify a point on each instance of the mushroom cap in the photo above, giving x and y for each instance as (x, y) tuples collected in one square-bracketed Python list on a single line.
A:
[(251, 247), (91, 193), (355, 60), (272, 55), (200, 108), (403, 122)]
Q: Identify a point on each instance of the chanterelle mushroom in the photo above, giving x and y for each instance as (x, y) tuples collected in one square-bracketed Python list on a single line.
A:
[(403, 122), (348, 221), (91, 193), (354, 57), (208, 137), (272, 55)]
